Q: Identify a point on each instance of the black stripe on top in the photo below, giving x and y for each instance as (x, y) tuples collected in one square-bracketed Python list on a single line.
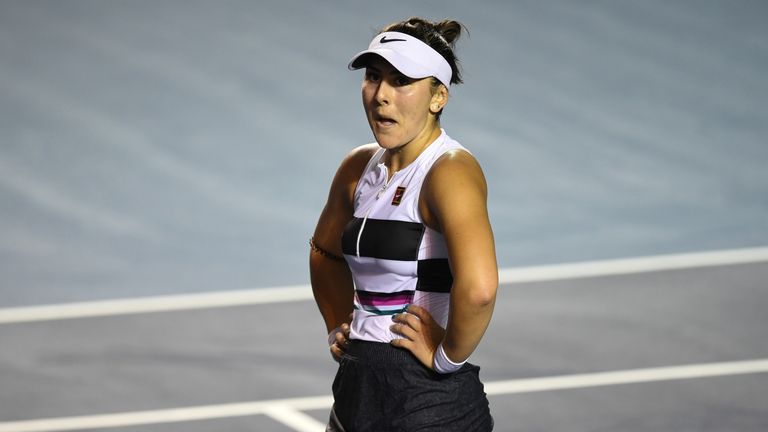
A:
[(384, 239), (434, 275)]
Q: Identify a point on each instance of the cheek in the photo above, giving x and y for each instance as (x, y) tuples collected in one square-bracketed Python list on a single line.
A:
[(367, 100), (418, 110), (414, 102), (367, 91)]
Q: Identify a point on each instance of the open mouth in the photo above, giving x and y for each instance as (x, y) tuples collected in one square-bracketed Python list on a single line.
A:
[(384, 121)]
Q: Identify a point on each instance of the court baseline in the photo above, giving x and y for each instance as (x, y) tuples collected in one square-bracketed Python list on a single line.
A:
[(304, 292)]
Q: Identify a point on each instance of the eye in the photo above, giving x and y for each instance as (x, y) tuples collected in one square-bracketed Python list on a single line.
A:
[(402, 80), (371, 75)]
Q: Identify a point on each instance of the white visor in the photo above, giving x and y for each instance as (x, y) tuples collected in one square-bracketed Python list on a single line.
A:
[(412, 57)]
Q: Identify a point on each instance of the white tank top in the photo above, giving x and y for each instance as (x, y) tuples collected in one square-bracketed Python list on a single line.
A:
[(395, 259)]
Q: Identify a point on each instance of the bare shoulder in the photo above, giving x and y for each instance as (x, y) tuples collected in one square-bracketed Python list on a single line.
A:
[(456, 168), (455, 181), (353, 164), (364, 152), (455, 158), (348, 174)]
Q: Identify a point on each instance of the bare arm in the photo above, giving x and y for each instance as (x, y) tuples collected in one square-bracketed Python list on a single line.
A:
[(456, 196), (331, 279), (453, 201)]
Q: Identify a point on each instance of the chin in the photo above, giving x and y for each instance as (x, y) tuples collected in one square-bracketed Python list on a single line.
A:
[(384, 139), (387, 142)]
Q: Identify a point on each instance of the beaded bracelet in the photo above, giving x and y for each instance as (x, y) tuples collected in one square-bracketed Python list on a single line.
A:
[(315, 248)]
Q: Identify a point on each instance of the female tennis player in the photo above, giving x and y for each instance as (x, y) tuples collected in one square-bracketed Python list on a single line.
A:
[(402, 260)]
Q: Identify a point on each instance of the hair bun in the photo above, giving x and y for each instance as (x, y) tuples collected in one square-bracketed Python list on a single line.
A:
[(450, 30), (440, 35)]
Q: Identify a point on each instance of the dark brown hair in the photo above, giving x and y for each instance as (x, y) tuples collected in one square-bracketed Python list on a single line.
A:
[(440, 35)]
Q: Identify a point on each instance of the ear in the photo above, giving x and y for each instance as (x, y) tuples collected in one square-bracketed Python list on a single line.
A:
[(439, 99)]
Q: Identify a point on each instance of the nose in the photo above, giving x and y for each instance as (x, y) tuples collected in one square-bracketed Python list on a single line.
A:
[(383, 92)]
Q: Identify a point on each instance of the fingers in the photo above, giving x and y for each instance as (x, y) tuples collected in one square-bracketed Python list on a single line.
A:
[(421, 334), (404, 330), (406, 323), (402, 343), (336, 352), (343, 336), (345, 330), (339, 341), (418, 311), (339, 347)]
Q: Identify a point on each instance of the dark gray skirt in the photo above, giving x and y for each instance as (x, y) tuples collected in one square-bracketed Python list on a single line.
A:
[(382, 388)]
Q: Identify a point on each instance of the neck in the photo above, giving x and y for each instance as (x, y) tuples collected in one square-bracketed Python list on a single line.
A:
[(399, 158)]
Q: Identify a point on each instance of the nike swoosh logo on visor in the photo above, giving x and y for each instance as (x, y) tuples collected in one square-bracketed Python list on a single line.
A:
[(385, 40)]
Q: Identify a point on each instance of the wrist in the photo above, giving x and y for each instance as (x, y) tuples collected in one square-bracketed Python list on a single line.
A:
[(442, 364)]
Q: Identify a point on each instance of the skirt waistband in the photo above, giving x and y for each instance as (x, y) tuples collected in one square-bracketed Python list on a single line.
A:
[(379, 352)]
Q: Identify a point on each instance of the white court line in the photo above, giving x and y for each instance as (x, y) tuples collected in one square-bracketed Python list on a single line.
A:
[(631, 376), (304, 292), (288, 411), (155, 304), (633, 265), (278, 409), (295, 419)]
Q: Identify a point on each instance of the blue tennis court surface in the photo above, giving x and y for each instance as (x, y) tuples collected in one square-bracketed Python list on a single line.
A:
[(677, 349), (166, 147), (168, 160)]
